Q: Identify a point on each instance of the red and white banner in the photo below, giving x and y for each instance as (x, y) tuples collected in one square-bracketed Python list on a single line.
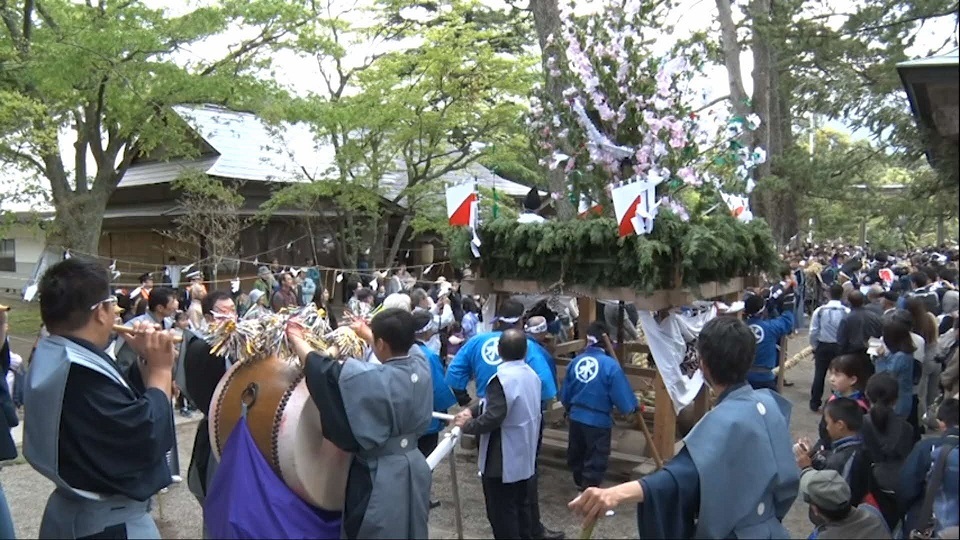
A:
[(461, 200), (739, 206), (635, 206)]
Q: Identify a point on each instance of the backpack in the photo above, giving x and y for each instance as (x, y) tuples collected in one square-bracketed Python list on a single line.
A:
[(929, 524)]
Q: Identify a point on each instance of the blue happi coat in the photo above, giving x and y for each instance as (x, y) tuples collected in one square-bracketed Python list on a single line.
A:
[(443, 397), (768, 333), (478, 360), (594, 384)]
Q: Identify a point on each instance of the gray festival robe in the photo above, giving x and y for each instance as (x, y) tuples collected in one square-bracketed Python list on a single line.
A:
[(72, 512), (742, 446), (377, 412)]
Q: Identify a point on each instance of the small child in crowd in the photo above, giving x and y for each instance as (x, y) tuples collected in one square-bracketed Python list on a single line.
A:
[(848, 375), (887, 441), (844, 419)]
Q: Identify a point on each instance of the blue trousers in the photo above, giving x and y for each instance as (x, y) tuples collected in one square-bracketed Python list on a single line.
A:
[(6, 520), (588, 453)]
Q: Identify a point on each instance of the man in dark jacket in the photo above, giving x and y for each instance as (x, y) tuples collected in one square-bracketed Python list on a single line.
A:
[(858, 326)]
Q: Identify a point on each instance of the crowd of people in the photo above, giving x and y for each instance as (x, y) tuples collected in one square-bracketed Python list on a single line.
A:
[(883, 328)]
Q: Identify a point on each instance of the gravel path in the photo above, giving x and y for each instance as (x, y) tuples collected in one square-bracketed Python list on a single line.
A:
[(179, 515)]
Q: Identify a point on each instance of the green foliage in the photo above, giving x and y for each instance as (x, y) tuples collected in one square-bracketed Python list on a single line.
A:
[(105, 75), (588, 251)]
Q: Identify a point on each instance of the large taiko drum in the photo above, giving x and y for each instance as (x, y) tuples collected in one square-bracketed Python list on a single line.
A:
[(285, 425)]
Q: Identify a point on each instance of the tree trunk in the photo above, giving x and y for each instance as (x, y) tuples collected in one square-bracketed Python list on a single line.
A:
[(546, 19), (760, 14), (78, 222), (730, 47), (398, 239)]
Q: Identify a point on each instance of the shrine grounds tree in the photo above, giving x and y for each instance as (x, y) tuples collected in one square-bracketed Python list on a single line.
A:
[(85, 87), (427, 108)]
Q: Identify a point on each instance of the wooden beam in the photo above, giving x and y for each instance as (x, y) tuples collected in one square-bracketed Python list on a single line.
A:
[(656, 301), (569, 347), (664, 421)]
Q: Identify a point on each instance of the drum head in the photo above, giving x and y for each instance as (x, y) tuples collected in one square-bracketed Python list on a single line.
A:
[(263, 384), (312, 466)]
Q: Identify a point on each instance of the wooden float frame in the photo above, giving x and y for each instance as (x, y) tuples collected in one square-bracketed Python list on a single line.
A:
[(663, 416)]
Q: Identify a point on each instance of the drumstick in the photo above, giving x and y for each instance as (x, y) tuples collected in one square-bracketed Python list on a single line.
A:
[(131, 332)]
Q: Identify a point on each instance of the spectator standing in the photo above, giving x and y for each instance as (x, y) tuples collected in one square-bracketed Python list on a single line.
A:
[(824, 329), (835, 516)]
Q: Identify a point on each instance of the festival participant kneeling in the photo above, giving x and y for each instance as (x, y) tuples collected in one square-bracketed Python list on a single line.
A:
[(377, 412), (741, 447), (508, 422), (99, 439)]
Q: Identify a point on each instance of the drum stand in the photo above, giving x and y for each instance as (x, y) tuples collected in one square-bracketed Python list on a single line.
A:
[(445, 449)]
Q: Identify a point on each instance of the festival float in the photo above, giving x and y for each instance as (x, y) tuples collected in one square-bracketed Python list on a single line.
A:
[(661, 181)]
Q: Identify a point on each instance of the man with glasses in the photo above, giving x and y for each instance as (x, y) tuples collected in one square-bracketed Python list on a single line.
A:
[(99, 437), (161, 307)]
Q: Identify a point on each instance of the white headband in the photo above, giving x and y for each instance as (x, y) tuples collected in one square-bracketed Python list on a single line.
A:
[(509, 320), (538, 328)]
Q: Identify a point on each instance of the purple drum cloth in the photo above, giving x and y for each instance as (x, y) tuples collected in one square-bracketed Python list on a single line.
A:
[(248, 500)]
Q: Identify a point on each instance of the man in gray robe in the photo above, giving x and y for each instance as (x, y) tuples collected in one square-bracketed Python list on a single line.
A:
[(377, 412), (741, 447), (99, 437)]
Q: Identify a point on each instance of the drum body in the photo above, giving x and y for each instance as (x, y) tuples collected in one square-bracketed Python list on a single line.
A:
[(285, 425)]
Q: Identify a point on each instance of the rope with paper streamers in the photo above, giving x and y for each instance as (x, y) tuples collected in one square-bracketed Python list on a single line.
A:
[(427, 267)]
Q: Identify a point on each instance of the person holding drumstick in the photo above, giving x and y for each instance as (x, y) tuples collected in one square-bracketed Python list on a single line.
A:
[(376, 412), (100, 438)]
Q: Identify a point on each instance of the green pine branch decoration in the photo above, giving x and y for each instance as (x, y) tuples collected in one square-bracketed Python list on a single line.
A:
[(589, 252)]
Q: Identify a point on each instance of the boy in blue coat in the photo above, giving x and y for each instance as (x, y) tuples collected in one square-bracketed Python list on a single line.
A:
[(593, 386)]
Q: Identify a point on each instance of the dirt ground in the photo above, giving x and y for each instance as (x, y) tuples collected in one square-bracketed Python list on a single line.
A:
[(179, 515)]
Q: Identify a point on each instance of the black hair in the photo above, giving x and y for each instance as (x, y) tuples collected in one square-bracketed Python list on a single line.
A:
[(882, 391), (949, 412), (919, 279), (421, 317), (727, 347), (364, 294), (753, 304), (67, 291), (856, 299), (160, 297), (896, 335), (510, 308), (891, 296), (853, 365), (847, 411), (211, 300), (145, 277), (469, 305), (836, 291), (180, 315), (513, 345), (395, 326), (949, 275), (597, 329), (932, 272)]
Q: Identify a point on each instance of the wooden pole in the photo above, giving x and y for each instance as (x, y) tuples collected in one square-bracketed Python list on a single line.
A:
[(664, 419), (620, 312), (588, 313), (657, 457)]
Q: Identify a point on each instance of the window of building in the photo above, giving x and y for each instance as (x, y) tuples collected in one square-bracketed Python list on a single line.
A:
[(8, 255)]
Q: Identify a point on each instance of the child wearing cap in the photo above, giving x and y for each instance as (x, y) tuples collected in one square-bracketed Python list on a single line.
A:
[(832, 512)]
